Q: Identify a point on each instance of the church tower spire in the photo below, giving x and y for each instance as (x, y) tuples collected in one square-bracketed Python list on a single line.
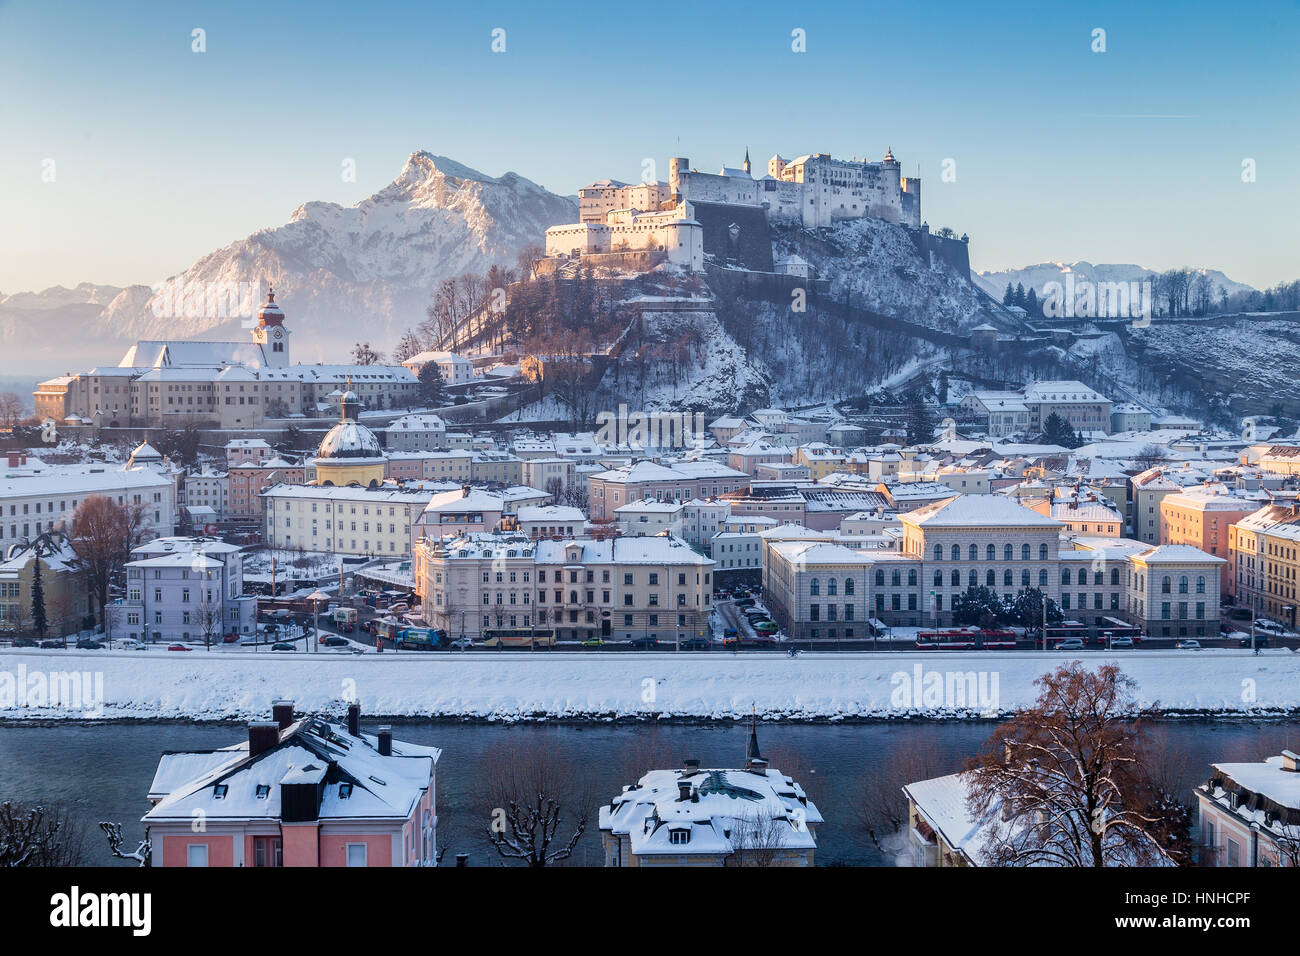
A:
[(269, 334), (746, 166)]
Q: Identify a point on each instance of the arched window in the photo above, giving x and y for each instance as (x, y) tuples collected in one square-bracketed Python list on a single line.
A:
[(1114, 575), (990, 579), (848, 585), (911, 577), (1065, 575), (974, 552), (1097, 578), (956, 579), (1024, 577), (938, 552), (956, 553), (1024, 552), (1200, 584), (814, 586), (1165, 584), (1042, 578), (938, 579), (1007, 579), (880, 577), (896, 578), (990, 553), (1008, 553), (832, 586), (1042, 552), (974, 579), (1182, 584)]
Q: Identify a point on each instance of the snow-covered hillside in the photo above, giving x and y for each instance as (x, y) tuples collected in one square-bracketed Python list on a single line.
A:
[(343, 272)]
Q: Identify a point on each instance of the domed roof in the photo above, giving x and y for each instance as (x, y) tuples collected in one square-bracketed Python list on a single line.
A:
[(349, 439)]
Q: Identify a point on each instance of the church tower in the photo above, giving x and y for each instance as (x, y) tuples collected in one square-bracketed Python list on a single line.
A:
[(270, 334), (746, 166)]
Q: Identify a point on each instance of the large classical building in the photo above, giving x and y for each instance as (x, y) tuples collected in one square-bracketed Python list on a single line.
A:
[(1202, 517), (230, 385), (183, 589), (1264, 549), (654, 588), (825, 589)]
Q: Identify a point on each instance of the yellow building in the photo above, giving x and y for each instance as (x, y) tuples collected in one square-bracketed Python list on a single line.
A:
[(349, 454), (66, 600)]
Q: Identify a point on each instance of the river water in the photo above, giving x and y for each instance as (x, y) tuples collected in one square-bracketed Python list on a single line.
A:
[(102, 772)]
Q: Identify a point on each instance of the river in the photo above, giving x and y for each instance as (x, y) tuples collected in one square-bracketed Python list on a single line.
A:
[(102, 771)]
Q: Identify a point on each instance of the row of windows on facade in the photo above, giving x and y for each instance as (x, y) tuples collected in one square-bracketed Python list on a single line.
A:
[(63, 504)]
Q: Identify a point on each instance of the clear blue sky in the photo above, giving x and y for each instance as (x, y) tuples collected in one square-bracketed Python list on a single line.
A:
[(1132, 155)]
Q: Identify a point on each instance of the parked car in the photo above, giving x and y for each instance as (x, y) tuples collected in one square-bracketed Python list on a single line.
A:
[(1267, 626), (282, 646), (1121, 642), (132, 645), (24, 642), (230, 638), (177, 647), (1261, 640), (52, 644), (463, 642), (89, 644), (1070, 644), (401, 607), (335, 641), (593, 642), (1188, 645)]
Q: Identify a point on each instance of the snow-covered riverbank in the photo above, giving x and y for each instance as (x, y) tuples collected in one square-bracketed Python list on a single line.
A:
[(522, 685)]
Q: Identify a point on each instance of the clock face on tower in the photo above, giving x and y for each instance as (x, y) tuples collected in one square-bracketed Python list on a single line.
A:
[(279, 334)]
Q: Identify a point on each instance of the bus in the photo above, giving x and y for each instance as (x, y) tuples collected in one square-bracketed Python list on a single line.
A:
[(518, 637), (386, 631), (966, 639), (1067, 629)]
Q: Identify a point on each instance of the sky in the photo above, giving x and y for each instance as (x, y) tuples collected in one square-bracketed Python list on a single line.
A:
[(125, 155)]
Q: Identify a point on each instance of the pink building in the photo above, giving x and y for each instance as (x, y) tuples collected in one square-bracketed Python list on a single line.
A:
[(302, 792), (675, 481), (247, 481)]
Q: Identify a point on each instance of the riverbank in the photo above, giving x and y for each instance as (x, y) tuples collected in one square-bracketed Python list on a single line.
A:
[(514, 686)]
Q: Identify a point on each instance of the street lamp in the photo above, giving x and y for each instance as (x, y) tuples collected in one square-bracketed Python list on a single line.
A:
[(316, 597)]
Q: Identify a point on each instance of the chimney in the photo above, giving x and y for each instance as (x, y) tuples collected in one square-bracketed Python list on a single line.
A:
[(462, 859), (262, 736), (692, 764), (354, 720), (683, 789), (1290, 761), (385, 741), (282, 712)]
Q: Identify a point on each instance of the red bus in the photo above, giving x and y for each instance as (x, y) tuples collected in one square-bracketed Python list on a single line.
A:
[(965, 639)]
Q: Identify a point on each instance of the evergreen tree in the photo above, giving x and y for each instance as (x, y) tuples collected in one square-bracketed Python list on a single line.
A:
[(977, 605), (1020, 295), (433, 391), (1057, 431), (1031, 301), (920, 419), (1009, 297), (39, 622)]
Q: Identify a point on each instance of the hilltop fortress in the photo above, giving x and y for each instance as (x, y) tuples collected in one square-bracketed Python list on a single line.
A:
[(724, 214)]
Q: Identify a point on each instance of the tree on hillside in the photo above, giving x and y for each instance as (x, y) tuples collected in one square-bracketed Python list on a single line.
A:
[(1150, 455), (102, 535), (432, 389), (1009, 297), (921, 420), (1062, 783), (363, 354), (409, 344), (11, 409), (1057, 431), (1031, 301)]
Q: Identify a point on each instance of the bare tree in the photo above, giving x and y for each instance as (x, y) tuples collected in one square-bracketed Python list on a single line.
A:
[(142, 854), (1062, 783), (534, 801), (757, 840), (39, 836), (11, 409), (881, 807), (363, 354), (102, 535), (208, 616)]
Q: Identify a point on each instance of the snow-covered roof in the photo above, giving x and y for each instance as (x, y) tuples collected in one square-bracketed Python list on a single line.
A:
[(996, 511)]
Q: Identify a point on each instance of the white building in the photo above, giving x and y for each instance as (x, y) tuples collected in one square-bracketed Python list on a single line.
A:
[(551, 521), (183, 589), (649, 517), (41, 497), (416, 433), (455, 369), (343, 519), (1250, 813)]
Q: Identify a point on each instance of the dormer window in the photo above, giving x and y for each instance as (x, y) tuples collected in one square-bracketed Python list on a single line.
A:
[(345, 791), (679, 836), (219, 791), (263, 791)]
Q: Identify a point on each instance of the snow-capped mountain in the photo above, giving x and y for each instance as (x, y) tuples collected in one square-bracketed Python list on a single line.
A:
[(1037, 276), (343, 272)]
